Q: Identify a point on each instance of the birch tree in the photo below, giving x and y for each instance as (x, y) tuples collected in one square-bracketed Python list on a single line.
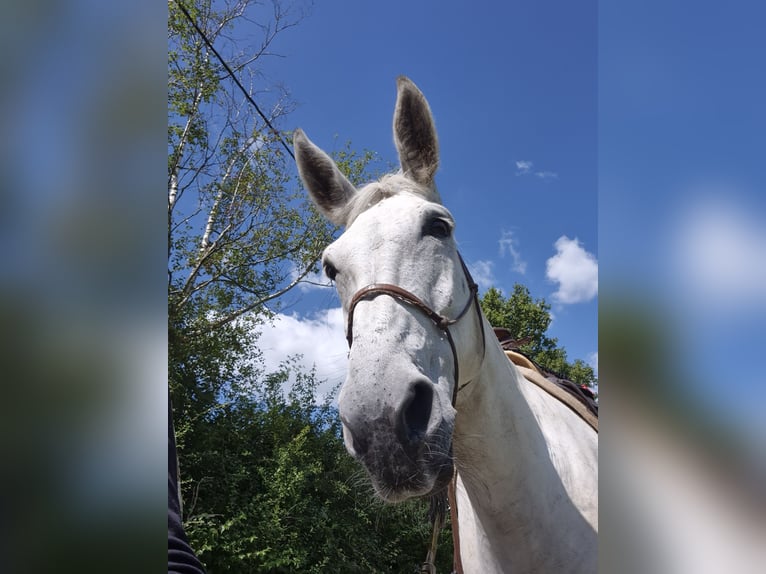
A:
[(241, 232)]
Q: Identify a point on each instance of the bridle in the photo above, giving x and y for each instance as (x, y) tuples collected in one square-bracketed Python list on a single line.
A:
[(438, 501), (442, 322)]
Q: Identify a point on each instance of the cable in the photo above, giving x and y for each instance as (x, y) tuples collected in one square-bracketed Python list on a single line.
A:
[(233, 77)]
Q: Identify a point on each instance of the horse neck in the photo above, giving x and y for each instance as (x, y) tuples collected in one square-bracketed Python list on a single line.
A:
[(497, 439), (509, 488)]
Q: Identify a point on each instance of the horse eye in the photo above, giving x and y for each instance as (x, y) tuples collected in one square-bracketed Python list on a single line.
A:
[(438, 228), (330, 270)]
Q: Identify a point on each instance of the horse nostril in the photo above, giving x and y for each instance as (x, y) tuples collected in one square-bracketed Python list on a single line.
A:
[(358, 444), (416, 412)]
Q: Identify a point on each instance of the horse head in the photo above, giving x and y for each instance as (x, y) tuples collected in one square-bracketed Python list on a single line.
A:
[(405, 292)]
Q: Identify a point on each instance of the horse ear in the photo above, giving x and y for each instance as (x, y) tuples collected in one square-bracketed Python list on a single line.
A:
[(327, 186), (415, 133)]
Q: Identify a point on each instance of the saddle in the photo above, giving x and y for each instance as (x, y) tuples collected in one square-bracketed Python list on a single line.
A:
[(530, 368)]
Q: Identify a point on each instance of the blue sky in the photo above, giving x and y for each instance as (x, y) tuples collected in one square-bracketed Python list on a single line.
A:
[(649, 114), (514, 94)]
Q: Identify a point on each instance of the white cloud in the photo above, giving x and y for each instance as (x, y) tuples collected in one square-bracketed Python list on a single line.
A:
[(482, 272), (575, 270), (720, 255), (523, 167), (319, 338), (509, 245)]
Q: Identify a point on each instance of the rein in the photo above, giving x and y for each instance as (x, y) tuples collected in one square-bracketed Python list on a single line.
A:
[(438, 501)]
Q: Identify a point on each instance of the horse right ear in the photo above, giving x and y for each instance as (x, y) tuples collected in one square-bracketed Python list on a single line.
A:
[(415, 133), (327, 186)]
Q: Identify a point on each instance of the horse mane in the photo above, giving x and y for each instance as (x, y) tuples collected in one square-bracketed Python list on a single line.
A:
[(387, 186)]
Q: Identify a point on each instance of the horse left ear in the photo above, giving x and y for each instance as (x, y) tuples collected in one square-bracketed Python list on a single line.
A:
[(327, 186), (415, 133)]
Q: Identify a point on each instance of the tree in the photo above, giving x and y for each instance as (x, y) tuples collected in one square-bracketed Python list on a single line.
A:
[(241, 232), (528, 320), (285, 495), (266, 481)]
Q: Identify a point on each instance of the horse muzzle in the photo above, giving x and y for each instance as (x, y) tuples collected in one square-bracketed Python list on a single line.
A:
[(406, 448)]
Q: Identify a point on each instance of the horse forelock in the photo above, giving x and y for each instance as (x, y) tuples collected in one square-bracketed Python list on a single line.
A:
[(387, 186)]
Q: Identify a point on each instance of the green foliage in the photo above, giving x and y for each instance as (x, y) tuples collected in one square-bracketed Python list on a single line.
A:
[(581, 373), (528, 319), (272, 489)]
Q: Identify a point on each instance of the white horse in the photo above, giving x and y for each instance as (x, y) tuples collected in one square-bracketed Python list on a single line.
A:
[(427, 390)]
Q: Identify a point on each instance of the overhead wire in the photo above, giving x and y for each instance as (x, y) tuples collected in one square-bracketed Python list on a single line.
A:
[(233, 77)]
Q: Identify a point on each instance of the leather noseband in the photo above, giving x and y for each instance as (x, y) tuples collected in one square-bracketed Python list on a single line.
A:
[(442, 322)]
